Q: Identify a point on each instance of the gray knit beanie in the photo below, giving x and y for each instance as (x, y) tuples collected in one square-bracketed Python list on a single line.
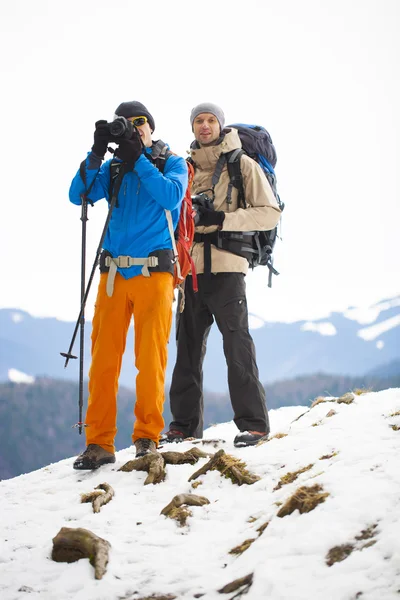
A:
[(208, 107)]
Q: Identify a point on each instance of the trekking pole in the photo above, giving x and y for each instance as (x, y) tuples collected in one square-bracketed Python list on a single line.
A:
[(80, 322), (84, 219)]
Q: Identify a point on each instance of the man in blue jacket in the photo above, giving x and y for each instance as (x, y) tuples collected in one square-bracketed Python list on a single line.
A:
[(136, 279)]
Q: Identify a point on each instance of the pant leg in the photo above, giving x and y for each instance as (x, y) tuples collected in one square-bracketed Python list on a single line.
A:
[(152, 299), (229, 306), (186, 391), (110, 326)]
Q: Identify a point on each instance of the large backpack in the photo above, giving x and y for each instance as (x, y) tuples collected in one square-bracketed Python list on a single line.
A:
[(256, 246), (182, 236)]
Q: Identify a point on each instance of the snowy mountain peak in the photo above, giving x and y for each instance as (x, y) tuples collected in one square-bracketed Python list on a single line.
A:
[(322, 515), (19, 377), (366, 315)]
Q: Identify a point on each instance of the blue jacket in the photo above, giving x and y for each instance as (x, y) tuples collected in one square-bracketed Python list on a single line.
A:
[(138, 224)]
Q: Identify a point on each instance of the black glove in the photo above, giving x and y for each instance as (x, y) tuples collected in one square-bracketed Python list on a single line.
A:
[(101, 139), (207, 217), (130, 150)]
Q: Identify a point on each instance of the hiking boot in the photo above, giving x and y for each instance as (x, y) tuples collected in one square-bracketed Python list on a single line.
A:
[(144, 446), (93, 457), (249, 438), (172, 435)]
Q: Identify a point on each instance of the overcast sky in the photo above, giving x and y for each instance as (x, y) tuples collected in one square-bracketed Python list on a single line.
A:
[(321, 76)]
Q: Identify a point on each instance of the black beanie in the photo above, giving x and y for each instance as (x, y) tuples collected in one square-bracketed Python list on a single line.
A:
[(134, 109)]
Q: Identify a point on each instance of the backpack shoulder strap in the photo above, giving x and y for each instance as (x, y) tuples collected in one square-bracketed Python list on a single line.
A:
[(117, 172), (160, 154), (235, 175)]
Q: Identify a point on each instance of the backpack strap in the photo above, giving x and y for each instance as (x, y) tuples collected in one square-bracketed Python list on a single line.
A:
[(235, 175), (159, 155), (117, 172)]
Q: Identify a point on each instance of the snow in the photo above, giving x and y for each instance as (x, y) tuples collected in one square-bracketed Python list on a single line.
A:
[(371, 333), (19, 377), (17, 317), (354, 455), (369, 314), (255, 322), (322, 327)]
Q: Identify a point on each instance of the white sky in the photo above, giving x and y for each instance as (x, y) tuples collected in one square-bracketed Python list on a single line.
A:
[(150, 554), (321, 76)]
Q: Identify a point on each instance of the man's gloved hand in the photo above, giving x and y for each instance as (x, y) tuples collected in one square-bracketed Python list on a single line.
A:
[(101, 139), (207, 217), (130, 150)]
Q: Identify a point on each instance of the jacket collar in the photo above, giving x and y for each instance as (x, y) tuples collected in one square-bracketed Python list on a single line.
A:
[(206, 156)]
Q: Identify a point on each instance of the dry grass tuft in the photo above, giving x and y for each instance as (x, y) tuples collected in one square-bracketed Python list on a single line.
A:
[(317, 424), (244, 582), (252, 519), (326, 456), (318, 400), (367, 534), (234, 469), (260, 530), (338, 553), (278, 436), (305, 499), (157, 597), (290, 477), (180, 514), (243, 547), (229, 466), (395, 414), (361, 391), (395, 427), (196, 484)]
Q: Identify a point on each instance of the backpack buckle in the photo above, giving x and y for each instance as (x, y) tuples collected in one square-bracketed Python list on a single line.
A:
[(124, 262), (152, 261)]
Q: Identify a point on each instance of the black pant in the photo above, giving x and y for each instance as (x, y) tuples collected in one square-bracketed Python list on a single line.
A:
[(221, 296)]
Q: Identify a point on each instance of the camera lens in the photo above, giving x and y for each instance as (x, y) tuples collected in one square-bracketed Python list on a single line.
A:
[(117, 128), (121, 128)]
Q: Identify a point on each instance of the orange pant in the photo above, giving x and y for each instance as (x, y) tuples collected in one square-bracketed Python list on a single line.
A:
[(149, 299)]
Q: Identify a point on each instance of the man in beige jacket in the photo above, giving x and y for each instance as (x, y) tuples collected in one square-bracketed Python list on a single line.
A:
[(222, 292)]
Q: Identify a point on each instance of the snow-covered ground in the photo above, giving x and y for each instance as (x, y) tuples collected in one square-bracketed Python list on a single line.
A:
[(353, 450)]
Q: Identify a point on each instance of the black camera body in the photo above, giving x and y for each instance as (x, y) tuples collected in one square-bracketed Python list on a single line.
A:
[(120, 129), (202, 200), (199, 201)]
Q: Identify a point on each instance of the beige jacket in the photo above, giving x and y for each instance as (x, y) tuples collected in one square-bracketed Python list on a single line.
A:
[(262, 212)]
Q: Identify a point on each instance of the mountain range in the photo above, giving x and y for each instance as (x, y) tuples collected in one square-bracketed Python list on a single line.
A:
[(353, 343)]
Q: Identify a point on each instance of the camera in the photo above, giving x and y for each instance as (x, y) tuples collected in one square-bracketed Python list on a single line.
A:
[(202, 200), (120, 128)]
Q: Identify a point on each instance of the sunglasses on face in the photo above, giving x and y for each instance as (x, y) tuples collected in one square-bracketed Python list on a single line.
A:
[(137, 121)]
